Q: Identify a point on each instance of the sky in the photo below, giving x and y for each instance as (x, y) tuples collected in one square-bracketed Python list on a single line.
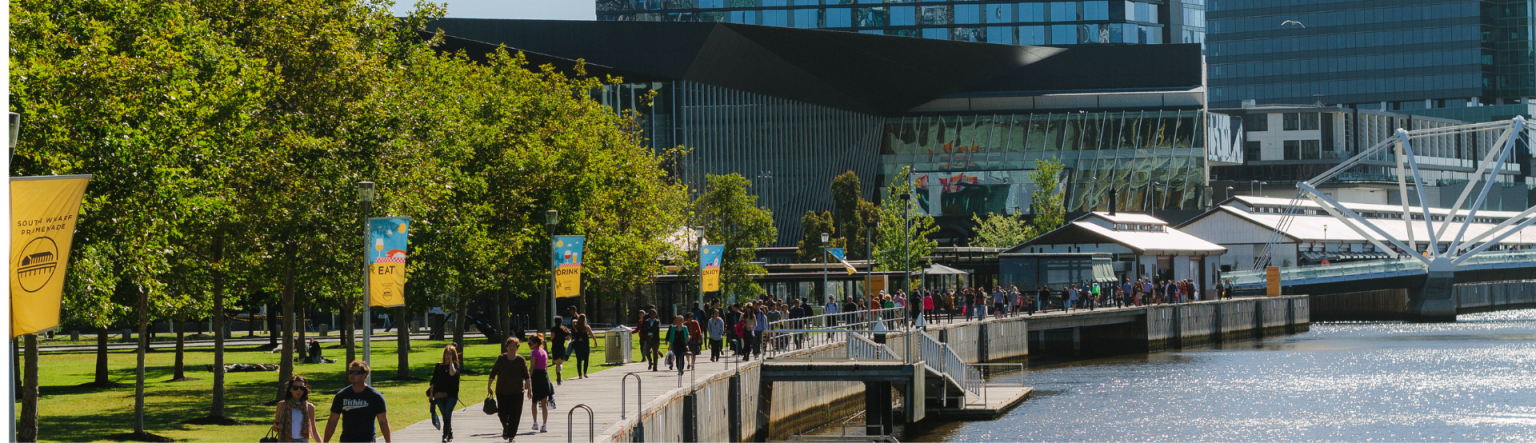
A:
[(524, 9)]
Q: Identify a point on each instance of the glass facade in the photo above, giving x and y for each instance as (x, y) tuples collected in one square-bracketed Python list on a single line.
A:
[(1406, 54), (978, 164), (1003, 22)]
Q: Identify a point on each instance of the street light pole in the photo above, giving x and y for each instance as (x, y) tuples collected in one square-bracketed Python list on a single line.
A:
[(698, 240), (551, 218), (824, 296), (869, 254), (906, 245), (365, 196)]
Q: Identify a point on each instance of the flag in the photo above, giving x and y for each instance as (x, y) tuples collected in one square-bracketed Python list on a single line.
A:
[(388, 238), (709, 267), (837, 253), (568, 265), (43, 213)]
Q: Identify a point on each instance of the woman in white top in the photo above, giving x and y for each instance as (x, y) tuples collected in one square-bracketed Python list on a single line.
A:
[(295, 421)]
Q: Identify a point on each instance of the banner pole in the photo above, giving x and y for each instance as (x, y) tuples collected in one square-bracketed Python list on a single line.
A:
[(366, 194)]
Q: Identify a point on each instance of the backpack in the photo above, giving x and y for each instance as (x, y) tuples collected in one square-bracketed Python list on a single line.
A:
[(741, 328)]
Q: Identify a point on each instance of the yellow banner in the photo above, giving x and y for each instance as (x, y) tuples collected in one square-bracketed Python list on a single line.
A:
[(711, 279), (386, 285), (43, 214), (568, 280)]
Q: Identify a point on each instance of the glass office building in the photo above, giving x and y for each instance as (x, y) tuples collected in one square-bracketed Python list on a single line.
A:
[(1127, 118), (1004, 22), (1401, 55)]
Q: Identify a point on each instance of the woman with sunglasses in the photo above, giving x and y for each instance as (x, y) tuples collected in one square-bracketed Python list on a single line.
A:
[(295, 419)]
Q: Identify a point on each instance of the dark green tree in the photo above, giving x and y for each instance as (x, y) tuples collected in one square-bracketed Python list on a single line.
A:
[(810, 246), (733, 218)]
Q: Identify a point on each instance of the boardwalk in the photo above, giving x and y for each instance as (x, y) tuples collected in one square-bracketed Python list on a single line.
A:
[(600, 392)]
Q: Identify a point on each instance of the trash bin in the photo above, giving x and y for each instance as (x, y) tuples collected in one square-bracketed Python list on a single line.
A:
[(617, 346)]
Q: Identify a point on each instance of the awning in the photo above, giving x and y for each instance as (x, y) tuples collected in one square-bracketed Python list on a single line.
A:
[(941, 270), (1104, 272)]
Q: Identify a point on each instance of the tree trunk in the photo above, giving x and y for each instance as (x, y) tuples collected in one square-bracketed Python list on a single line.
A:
[(460, 312), (299, 327), (540, 310), (27, 430), (101, 355), (285, 366), (504, 313), (181, 342), (138, 390), (250, 320), (218, 327), (272, 318), (349, 329), (402, 344)]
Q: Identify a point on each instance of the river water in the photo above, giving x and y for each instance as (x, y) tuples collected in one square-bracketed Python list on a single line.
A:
[(1470, 380)]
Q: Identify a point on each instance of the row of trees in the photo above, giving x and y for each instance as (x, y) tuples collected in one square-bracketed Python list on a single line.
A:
[(226, 140)]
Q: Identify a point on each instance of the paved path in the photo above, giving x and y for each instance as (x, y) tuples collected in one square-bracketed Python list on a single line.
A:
[(600, 391)]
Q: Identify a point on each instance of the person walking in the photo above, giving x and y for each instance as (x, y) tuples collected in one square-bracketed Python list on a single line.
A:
[(582, 338), (295, 421), (695, 340), (542, 392), (759, 326), (651, 338), (509, 376), (443, 390), (677, 344), (357, 407), (717, 334), (558, 335)]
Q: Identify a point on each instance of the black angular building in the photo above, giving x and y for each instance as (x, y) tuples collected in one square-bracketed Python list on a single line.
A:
[(792, 108)]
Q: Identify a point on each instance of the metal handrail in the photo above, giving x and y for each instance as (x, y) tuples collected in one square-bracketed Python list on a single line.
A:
[(985, 382), (591, 426), (623, 394)]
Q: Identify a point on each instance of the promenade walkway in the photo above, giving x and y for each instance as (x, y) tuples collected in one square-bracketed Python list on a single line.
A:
[(600, 391)]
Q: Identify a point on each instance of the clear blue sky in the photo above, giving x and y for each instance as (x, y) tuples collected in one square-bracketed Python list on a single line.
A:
[(525, 9)]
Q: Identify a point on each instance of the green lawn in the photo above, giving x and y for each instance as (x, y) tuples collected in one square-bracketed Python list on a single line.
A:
[(71, 413)]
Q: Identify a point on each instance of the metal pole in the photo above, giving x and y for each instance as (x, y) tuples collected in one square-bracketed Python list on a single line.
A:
[(699, 246), (365, 193)]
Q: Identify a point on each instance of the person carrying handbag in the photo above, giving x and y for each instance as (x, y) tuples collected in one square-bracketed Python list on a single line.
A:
[(295, 421), (509, 376), (443, 390)]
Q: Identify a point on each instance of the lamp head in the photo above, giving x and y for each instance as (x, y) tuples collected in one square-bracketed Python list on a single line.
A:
[(15, 128), (905, 196), (824, 237), (365, 191), (552, 217)]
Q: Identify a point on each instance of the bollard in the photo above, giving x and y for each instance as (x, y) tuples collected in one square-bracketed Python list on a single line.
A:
[(324, 329), (74, 335), (127, 334)]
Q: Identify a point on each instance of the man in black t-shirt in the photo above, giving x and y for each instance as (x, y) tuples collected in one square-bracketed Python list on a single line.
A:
[(357, 406)]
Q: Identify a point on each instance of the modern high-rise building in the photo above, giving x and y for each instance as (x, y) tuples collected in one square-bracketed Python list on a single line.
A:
[(790, 109), (1005, 22), (1402, 55)]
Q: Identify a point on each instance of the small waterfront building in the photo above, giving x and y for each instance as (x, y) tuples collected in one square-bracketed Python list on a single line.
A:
[(1245, 224), (1124, 245)]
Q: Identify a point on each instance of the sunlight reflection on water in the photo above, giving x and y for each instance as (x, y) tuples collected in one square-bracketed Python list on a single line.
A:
[(1469, 380)]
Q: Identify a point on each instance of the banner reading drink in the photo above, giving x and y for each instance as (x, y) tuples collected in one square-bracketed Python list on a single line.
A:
[(568, 265), (44, 211), (386, 265), (709, 266)]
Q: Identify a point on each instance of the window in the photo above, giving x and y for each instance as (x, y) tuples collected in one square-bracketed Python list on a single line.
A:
[(967, 14), (1032, 35), (1309, 121), (1293, 150), (1064, 12), (1311, 150), (1256, 122), (1292, 121), (1096, 10), (1252, 151), (903, 15), (839, 18), (1063, 34), (1032, 12), (1000, 35)]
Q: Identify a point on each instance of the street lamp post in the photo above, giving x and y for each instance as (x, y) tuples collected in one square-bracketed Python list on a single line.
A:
[(551, 218), (365, 196), (869, 254), (1151, 190), (906, 244), (1229, 192), (824, 295), (698, 240)]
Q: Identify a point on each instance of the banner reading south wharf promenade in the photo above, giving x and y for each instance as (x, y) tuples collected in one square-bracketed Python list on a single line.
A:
[(44, 211), (568, 265)]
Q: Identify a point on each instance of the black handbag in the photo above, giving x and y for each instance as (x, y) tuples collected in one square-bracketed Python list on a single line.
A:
[(490, 405), (270, 438)]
